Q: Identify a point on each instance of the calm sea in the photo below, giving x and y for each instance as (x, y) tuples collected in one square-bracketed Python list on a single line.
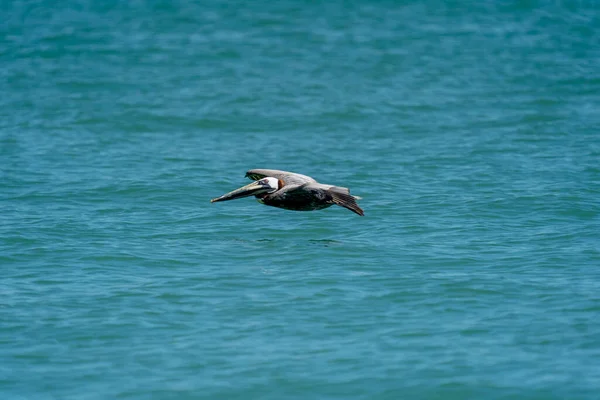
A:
[(469, 128)]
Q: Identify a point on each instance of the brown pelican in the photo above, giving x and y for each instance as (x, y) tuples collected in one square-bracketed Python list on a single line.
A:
[(292, 191)]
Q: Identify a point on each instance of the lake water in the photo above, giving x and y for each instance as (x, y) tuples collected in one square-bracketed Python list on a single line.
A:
[(469, 128)]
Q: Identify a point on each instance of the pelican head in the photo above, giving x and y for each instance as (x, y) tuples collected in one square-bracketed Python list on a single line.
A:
[(256, 188)]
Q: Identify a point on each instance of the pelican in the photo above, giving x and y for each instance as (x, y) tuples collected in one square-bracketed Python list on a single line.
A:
[(292, 191)]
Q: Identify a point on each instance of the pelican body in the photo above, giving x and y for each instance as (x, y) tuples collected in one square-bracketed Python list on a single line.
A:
[(292, 191)]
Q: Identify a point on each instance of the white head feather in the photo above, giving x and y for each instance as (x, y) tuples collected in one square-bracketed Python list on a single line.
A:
[(273, 183)]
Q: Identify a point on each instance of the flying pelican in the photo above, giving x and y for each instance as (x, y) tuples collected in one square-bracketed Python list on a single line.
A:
[(292, 191)]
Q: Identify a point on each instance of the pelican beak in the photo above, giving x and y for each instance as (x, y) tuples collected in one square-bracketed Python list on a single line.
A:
[(248, 190)]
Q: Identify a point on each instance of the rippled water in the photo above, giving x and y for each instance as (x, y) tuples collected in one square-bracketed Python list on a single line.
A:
[(470, 130)]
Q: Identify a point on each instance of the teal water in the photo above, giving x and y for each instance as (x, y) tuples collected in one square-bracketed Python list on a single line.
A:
[(470, 129)]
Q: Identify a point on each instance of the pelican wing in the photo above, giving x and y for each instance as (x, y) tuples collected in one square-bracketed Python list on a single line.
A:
[(343, 198), (289, 178)]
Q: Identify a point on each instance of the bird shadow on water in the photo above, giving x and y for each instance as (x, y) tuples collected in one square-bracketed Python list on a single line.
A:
[(295, 243), (325, 242)]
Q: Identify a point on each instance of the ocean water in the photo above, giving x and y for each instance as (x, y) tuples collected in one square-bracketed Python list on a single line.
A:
[(469, 128)]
